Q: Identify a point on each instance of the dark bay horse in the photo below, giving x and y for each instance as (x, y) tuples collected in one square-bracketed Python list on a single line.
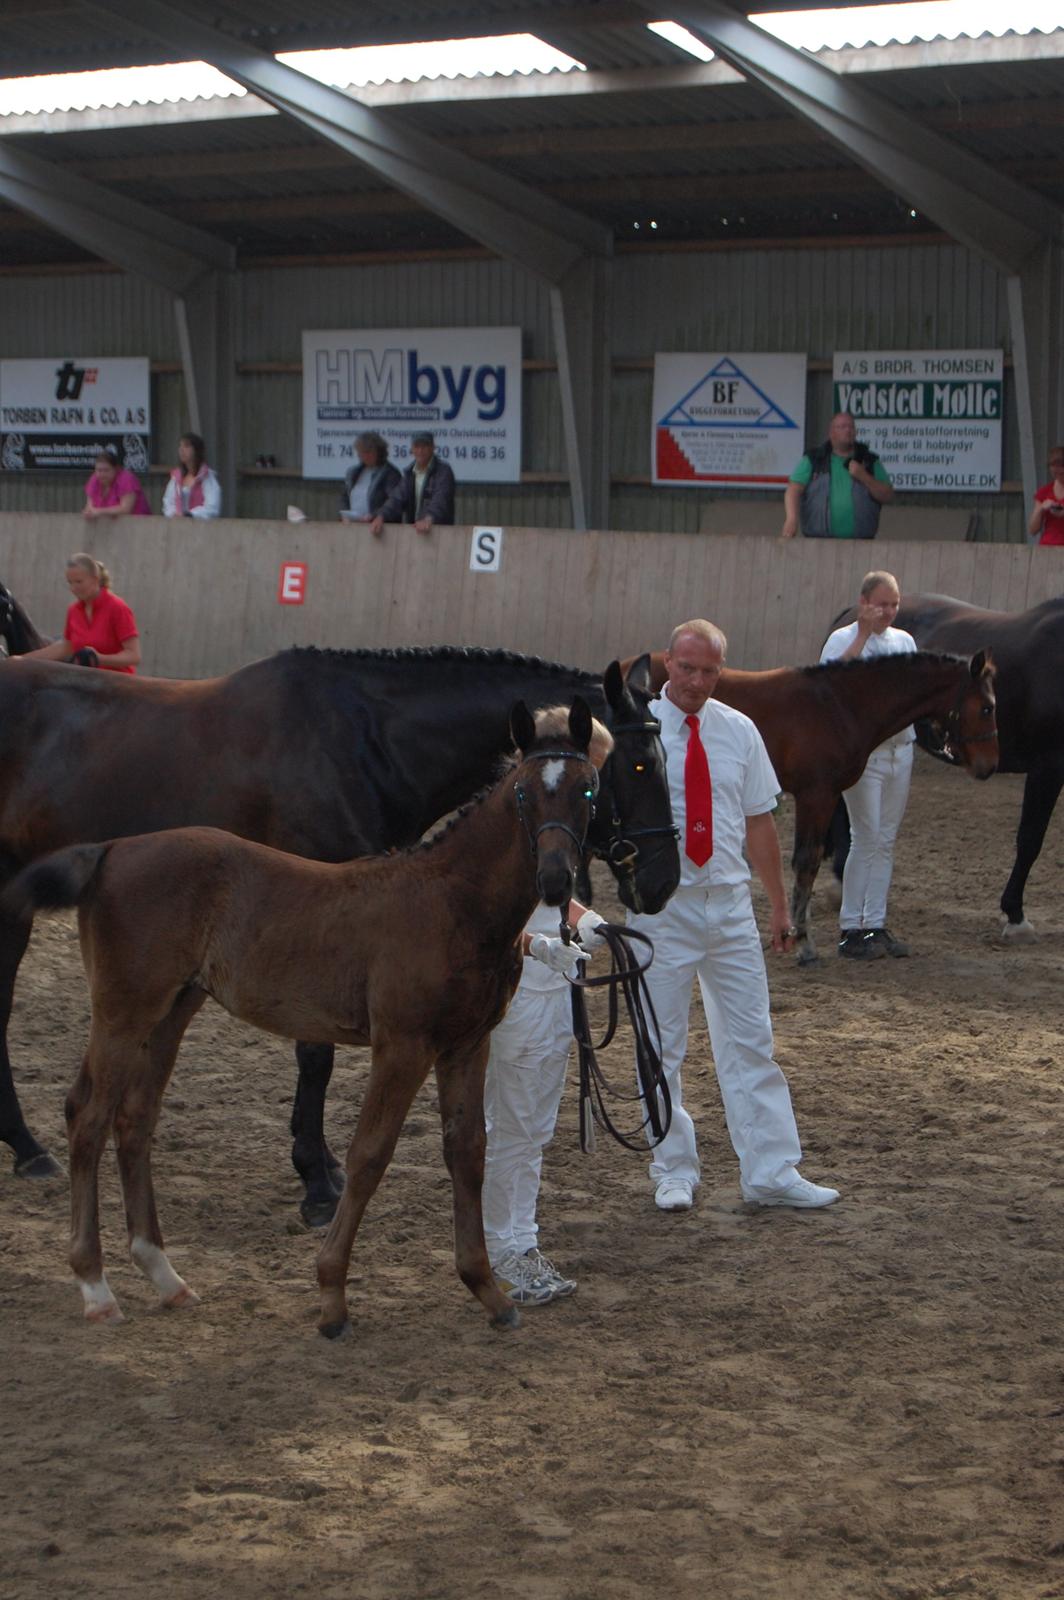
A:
[(820, 724), (318, 952), (18, 635), (1028, 651), (327, 754)]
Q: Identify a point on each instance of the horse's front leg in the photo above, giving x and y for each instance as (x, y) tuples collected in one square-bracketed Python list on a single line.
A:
[(31, 1159), (460, 1080), (1040, 794), (811, 817), (319, 1169), (400, 1066)]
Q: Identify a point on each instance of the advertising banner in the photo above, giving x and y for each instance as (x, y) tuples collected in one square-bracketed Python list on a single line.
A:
[(58, 413), (730, 420), (462, 385), (932, 416)]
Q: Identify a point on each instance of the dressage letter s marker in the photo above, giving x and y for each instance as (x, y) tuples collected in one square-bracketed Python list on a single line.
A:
[(292, 584), (485, 554)]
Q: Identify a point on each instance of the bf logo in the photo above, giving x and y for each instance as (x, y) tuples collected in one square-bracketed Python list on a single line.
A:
[(485, 554)]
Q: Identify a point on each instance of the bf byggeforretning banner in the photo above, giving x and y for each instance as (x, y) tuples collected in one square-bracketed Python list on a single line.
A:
[(462, 385), (733, 420), (59, 413), (932, 416)]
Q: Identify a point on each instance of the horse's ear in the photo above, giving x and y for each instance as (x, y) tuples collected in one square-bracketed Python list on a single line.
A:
[(613, 685), (580, 723), (639, 674), (978, 662), (522, 726)]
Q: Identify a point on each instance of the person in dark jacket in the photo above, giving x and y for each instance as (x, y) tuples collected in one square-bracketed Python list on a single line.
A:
[(424, 494), (369, 481), (836, 491)]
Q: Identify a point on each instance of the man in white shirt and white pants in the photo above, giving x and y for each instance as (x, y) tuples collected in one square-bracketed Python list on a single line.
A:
[(708, 931), (877, 801)]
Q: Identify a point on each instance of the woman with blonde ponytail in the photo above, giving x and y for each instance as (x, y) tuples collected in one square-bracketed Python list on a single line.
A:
[(101, 630)]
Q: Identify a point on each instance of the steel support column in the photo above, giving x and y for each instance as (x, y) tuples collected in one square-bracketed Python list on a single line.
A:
[(518, 223), (580, 310), (1036, 317), (206, 321)]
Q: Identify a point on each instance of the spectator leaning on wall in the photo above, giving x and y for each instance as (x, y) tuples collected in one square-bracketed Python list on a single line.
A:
[(425, 492), (837, 490)]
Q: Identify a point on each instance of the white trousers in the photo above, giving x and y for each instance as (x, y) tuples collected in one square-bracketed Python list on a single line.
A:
[(711, 934), (876, 805), (522, 1093)]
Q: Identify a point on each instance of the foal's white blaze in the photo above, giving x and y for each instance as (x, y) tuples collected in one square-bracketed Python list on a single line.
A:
[(153, 1262), (100, 1303), (552, 774)]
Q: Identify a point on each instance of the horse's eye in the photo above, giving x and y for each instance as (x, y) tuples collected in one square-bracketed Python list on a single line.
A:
[(986, 712), (589, 793), (639, 766)]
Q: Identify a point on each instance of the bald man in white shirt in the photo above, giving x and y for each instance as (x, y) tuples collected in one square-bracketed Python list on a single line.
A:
[(708, 931)]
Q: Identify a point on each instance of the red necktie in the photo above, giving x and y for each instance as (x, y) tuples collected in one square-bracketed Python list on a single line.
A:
[(698, 791)]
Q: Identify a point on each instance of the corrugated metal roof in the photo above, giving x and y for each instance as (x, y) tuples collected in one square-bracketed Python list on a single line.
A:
[(693, 148)]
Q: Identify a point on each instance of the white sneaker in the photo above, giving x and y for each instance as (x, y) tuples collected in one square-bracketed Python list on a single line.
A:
[(548, 1273), (800, 1193), (674, 1194), (517, 1277)]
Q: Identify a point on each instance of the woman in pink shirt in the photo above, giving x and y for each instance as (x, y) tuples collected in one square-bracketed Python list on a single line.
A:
[(114, 492)]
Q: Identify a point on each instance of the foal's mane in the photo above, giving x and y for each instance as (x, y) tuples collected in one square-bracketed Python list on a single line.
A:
[(874, 663)]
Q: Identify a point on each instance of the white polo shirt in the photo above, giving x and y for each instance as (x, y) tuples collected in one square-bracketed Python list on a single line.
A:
[(891, 642), (743, 781)]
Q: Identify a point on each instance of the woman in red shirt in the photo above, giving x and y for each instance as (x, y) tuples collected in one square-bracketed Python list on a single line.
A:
[(1046, 522), (101, 630)]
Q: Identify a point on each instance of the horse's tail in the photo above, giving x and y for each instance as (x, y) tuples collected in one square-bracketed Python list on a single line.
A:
[(57, 881)]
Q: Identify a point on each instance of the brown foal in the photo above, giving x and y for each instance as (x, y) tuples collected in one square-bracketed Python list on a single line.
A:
[(413, 954)]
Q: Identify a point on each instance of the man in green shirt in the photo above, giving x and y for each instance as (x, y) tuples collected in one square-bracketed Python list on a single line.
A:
[(836, 491)]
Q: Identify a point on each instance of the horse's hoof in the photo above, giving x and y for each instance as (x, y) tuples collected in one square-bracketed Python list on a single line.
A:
[(180, 1299), (1018, 933), (318, 1213), (336, 1330), (106, 1315), (42, 1165), (808, 957), (505, 1320)]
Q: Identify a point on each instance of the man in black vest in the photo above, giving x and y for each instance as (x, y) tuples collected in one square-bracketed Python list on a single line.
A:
[(836, 491), (424, 494)]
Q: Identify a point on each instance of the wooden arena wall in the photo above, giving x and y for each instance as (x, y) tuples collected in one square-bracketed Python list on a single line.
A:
[(206, 595)]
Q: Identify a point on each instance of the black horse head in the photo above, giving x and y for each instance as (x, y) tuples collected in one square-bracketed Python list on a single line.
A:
[(633, 829), (17, 633)]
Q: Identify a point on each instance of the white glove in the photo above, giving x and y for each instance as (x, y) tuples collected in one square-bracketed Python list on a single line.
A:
[(587, 931), (555, 954)]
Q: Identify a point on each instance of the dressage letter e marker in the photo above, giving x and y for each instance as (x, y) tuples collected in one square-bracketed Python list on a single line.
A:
[(485, 553), (292, 584)]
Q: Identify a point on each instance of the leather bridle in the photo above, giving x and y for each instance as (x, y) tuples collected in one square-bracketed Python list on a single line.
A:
[(620, 849), (589, 793)]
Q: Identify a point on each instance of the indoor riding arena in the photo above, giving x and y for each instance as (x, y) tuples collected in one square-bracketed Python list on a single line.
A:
[(625, 284)]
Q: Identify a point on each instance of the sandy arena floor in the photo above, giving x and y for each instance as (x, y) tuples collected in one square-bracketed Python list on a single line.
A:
[(736, 1404)]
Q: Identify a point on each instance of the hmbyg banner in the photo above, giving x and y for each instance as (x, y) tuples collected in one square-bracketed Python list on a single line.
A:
[(462, 385), (932, 416), (59, 413), (727, 420)]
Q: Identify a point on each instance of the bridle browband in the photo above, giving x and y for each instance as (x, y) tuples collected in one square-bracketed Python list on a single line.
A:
[(563, 827)]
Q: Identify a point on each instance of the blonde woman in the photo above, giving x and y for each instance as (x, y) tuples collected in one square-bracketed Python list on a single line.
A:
[(101, 630)]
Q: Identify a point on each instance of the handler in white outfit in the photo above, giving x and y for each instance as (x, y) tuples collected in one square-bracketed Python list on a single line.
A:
[(708, 930), (525, 1078), (877, 801)]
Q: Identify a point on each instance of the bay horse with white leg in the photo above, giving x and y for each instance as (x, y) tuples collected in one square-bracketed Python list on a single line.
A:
[(1028, 650), (820, 725), (318, 952), (328, 754)]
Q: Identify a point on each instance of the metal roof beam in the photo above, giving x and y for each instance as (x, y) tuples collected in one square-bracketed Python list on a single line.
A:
[(110, 225), (509, 218), (999, 219)]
